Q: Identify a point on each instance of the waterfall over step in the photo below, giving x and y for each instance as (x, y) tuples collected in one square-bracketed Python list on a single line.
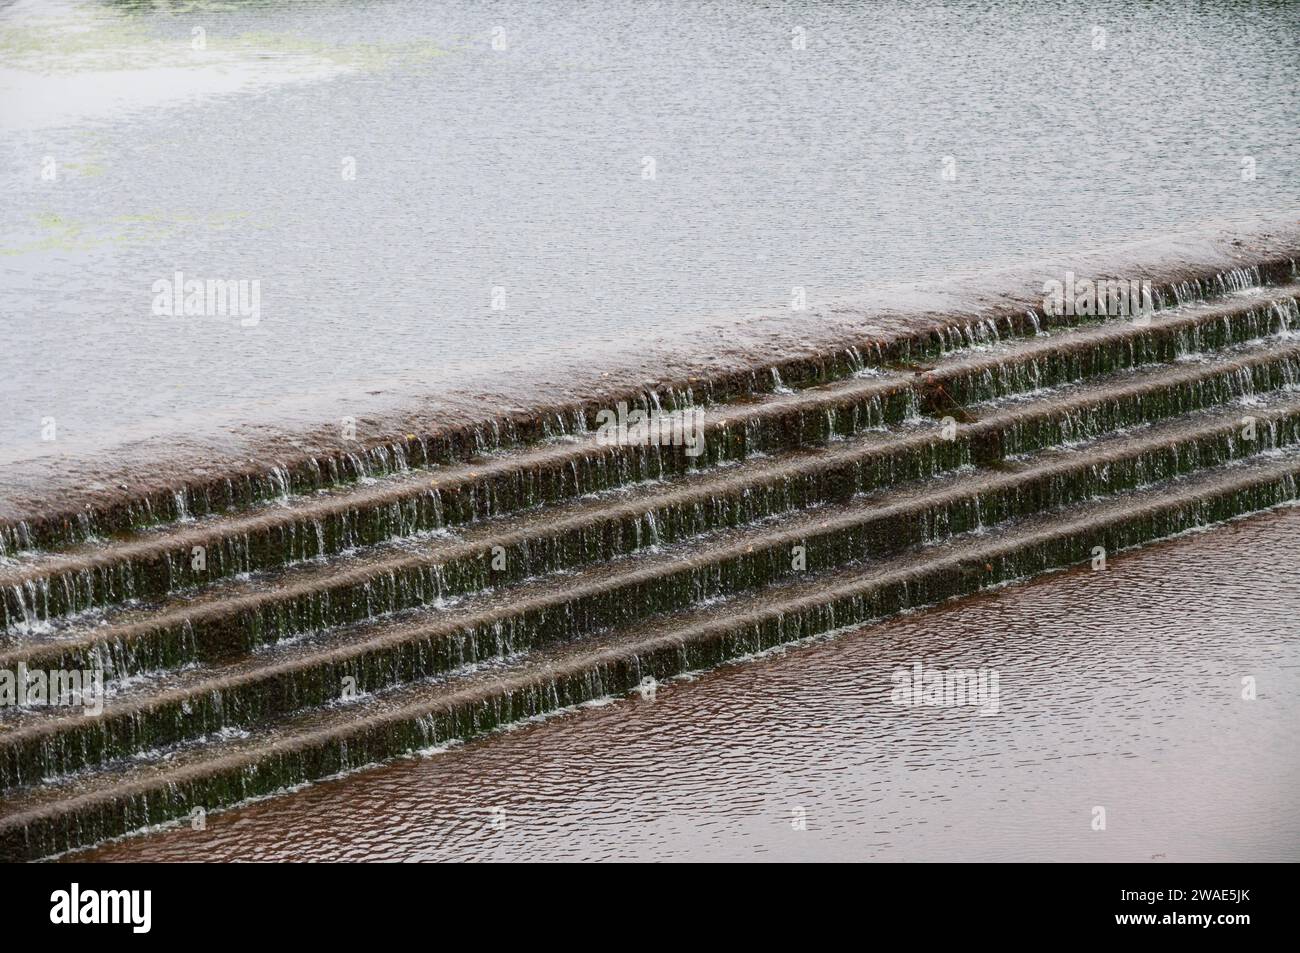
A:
[(215, 637)]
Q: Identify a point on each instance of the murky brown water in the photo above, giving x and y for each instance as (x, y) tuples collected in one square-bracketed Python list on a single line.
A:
[(1120, 690)]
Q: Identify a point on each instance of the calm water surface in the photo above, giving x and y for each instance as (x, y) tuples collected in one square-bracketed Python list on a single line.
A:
[(1119, 689), (507, 145)]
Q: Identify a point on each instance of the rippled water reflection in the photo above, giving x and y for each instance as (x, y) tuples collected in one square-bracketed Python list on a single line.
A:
[(523, 168), (1120, 689)]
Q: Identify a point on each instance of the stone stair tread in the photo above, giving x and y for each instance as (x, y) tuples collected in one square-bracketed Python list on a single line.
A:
[(162, 768), (358, 638)]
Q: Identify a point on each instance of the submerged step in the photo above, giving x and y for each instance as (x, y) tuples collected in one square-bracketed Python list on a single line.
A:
[(61, 816)]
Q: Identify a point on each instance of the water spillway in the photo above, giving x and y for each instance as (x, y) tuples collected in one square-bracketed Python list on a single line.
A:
[(265, 626)]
